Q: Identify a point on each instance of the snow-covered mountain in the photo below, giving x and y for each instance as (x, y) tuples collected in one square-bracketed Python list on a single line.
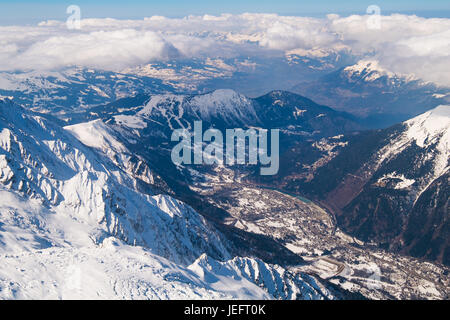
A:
[(225, 107), (73, 89), (76, 88), (81, 217), (94, 208), (44, 162), (250, 75), (391, 186), (158, 115), (367, 90), (221, 193), (277, 281), (113, 270), (149, 120)]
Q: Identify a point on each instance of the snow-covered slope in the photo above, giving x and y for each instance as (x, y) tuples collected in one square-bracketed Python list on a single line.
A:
[(377, 193), (432, 127), (430, 132), (277, 281), (75, 88), (114, 270), (44, 162), (110, 271), (223, 106), (99, 136), (369, 71), (75, 222), (151, 119)]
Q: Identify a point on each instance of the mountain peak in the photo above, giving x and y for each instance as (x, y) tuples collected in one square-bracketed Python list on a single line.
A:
[(429, 125), (370, 70), (367, 67), (218, 97), (225, 104)]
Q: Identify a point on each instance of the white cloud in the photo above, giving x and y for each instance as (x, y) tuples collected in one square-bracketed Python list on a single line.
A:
[(103, 49), (404, 44)]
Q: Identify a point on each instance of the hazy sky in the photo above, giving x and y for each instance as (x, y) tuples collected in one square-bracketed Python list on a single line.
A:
[(20, 12)]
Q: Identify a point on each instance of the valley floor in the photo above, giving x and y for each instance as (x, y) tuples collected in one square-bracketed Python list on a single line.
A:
[(311, 232)]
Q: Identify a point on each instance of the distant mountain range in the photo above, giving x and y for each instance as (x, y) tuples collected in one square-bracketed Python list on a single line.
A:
[(77, 88), (377, 97), (380, 97), (73, 89)]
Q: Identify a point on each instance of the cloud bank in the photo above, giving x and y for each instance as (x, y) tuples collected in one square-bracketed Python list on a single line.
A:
[(403, 44)]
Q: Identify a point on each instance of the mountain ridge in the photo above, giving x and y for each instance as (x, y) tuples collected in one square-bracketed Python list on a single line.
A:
[(373, 197)]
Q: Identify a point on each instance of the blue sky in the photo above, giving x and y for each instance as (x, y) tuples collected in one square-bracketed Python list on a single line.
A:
[(12, 12)]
